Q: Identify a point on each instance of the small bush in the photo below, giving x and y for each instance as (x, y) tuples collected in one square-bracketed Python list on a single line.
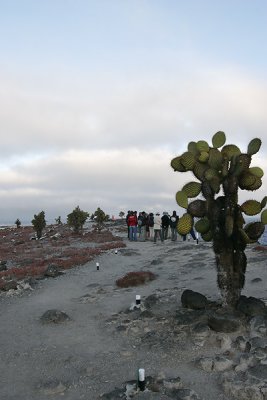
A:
[(135, 279)]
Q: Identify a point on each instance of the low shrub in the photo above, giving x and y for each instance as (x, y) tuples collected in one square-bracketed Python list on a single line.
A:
[(135, 279)]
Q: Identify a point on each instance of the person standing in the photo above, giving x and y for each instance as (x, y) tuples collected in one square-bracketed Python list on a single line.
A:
[(157, 228), (165, 222), (127, 217), (151, 225), (142, 223), (132, 222), (173, 225)]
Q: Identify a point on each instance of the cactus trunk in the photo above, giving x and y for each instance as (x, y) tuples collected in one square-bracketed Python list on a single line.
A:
[(229, 277)]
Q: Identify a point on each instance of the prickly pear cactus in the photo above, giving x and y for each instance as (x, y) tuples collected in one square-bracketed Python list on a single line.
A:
[(222, 170)]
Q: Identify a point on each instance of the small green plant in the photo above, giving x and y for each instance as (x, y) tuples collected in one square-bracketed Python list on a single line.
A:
[(121, 214), (100, 217), (39, 223), (18, 223), (221, 173), (58, 220), (77, 218)]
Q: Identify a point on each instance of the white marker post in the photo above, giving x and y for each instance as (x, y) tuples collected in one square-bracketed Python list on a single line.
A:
[(138, 300), (116, 251), (197, 238), (97, 266), (141, 379)]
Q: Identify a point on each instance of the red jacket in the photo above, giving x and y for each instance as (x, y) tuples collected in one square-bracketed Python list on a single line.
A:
[(132, 220)]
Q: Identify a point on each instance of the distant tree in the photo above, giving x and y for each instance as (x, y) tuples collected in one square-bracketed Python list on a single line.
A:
[(39, 223), (18, 223), (121, 214), (77, 218), (58, 220), (92, 217), (100, 217)]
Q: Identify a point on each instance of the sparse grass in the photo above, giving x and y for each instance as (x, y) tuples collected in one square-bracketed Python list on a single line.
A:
[(30, 258), (135, 279)]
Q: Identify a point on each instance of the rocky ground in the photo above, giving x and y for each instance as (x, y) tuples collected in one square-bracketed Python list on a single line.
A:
[(77, 335)]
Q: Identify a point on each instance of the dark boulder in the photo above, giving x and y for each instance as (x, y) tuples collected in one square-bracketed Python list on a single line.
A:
[(224, 323), (193, 300), (250, 306)]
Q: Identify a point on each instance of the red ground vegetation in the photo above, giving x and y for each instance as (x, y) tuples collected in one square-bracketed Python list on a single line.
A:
[(260, 248), (26, 257), (135, 279)]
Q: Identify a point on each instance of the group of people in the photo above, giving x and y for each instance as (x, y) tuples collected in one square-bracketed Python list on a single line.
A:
[(149, 226)]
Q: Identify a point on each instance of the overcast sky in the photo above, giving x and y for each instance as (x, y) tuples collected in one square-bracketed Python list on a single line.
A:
[(97, 97)]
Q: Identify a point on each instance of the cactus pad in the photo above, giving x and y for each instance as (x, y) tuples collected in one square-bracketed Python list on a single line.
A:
[(188, 160), (177, 165), (181, 199), (256, 171), (264, 217), (254, 230), (251, 207), (230, 150), (207, 237), (218, 139), (202, 145), (185, 224), (192, 147), (254, 146), (192, 189), (215, 159), (197, 208), (202, 225)]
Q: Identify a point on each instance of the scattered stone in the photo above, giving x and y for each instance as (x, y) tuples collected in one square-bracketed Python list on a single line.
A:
[(258, 341), (54, 316), (173, 383), (242, 344), (3, 265), (146, 314), (193, 300), (183, 394), (116, 394), (245, 389), (258, 325), (52, 271), (259, 371), (222, 363), (205, 363), (156, 262), (52, 388), (189, 317), (224, 341), (151, 300), (224, 323), (200, 332), (256, 280), (11, 284), (245, 361), (251, 306)]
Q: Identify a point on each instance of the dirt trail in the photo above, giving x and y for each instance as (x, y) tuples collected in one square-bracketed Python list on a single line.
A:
[(103, 345)]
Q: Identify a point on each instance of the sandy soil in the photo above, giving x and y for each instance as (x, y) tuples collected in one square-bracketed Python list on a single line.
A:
[(103, 344)]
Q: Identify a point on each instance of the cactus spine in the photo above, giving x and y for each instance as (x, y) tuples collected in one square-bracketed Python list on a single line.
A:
[(220, 216)]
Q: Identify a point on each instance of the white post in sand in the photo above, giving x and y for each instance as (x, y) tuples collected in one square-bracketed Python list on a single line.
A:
[(141, 379), (138, 300), (197, 238), (97, 266)]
